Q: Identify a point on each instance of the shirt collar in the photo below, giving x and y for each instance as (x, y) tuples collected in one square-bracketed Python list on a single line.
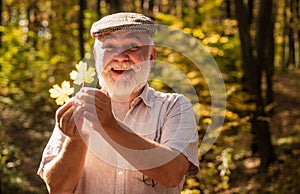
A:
[(144, 96)]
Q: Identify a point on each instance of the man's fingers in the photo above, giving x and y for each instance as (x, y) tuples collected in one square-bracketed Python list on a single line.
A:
[(95, 92), (91, 108), (91, 117), (97, 101), (61, 110), (63, 120), (76, 120), (96, 123), (67, 123)]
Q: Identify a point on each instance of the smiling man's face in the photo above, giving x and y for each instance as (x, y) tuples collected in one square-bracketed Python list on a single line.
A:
[(126, 62)]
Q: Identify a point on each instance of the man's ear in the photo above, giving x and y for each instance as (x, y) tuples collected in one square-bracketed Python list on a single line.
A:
[(152, 56), (153, 53)]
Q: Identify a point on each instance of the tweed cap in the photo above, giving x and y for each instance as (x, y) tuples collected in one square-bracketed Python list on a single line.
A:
[(122, 21)]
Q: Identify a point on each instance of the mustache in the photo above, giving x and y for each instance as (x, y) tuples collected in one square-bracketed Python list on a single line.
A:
[(123, 66)]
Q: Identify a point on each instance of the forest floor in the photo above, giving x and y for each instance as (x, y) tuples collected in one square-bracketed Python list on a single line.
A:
[(282, 176)]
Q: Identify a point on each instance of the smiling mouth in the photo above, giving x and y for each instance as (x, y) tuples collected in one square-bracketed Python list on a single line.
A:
[(120, 70)]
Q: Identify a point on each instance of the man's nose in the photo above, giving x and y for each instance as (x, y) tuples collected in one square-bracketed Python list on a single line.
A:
[(121, 56)]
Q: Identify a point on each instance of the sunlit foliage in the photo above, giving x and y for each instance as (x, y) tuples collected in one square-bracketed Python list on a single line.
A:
[(40, 47)]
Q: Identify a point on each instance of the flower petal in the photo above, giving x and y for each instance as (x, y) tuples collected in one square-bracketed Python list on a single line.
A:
[(65, 84), (82, 67), (55, 91), (73, 75), (61, 93)]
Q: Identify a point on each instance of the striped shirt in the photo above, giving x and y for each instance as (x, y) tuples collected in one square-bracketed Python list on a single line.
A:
[(166, 118)]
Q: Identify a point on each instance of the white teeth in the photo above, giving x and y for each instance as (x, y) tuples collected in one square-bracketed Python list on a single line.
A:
[(121, 68)]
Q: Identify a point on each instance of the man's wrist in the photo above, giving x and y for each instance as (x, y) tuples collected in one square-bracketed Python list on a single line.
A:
[(78, 142)]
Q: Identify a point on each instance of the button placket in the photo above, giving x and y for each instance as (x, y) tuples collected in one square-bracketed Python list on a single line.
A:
[(120, 176)]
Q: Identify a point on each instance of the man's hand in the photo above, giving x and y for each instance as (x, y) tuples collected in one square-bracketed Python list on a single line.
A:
[(69, 118), (97, 108)]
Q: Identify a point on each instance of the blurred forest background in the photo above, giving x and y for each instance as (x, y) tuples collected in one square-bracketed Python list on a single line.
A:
[(254, 42)]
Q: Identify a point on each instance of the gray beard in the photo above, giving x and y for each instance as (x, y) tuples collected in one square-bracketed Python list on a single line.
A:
[(122, 89)]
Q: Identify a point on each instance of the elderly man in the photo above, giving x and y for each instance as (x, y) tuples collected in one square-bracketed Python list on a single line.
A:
[(125, 137)]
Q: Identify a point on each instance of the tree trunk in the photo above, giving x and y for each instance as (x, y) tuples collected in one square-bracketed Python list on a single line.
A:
[(147, 7), (269, 56), (115, 6), (142, 4), (151, 7), (265, 59), (33, 22), (82, 5), (285, 43), (295, 32), (250, 11), (98, 8), (253, 68), (228, 9), (242, 15)]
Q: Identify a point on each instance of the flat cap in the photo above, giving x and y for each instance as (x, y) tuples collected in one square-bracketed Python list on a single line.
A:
[(122, 21)]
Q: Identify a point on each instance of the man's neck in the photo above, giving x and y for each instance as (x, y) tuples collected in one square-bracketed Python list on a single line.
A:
[(126, 100), (121, 105)]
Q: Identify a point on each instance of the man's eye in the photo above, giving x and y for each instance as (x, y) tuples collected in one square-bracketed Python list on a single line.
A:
[(109, 47), (133, 47)]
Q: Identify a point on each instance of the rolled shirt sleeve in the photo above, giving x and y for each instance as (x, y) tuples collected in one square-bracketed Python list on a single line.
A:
[(52, 148), (179, 131)]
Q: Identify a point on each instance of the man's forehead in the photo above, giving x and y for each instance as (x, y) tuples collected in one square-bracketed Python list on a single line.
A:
[(123, 35)]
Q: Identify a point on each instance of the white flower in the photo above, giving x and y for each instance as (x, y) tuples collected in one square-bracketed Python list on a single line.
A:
[(83, 74), (61, 93)]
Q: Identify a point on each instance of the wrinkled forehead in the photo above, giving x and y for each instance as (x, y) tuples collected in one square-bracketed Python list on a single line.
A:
[(126, 36)]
